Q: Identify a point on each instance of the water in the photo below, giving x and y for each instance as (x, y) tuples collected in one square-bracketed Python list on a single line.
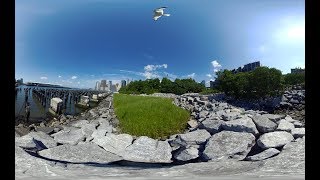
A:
[(38, 111)]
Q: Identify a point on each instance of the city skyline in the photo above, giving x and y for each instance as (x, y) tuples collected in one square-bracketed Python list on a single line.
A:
[(79, 42)]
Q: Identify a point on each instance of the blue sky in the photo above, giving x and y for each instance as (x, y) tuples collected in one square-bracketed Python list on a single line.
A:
[(75, 43)]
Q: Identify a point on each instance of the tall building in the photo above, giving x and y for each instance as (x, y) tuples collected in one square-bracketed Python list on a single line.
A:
[(103, 85), (110, 84), (203, 82), (123, 83), (97, 86), (247, 67)]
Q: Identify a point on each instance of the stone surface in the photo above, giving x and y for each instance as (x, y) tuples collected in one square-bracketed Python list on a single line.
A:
[(84, 153), (88, 129), (27, 142), (192, 123), (263, 124), (274, 139), (47, 130), (244, 124), (284, 125), (114, 143), (79, 123), (263, 155), (212, 126), (43, 139), (228, 144), (273, 117), (145, 149), (298, 132), (199, 136), (69, 136), (186, 154)]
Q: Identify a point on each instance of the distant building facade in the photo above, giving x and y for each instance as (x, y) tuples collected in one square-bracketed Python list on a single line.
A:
[(123, 83), (97, 87), (297, 70), (203, 82), (103, 85), (20, 81), (247, 67), (213, 84)]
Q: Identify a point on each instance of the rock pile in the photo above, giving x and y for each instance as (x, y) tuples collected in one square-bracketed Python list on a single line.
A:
[(217, 132)]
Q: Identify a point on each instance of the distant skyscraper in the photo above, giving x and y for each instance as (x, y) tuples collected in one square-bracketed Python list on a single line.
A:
[(110, 83), (97, 86), (123, 83), (103, 85), (203, 82)]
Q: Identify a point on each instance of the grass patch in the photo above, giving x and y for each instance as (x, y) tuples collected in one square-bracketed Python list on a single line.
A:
[(154, 117)]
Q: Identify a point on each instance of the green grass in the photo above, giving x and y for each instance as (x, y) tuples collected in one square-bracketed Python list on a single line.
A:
[(154, 117)]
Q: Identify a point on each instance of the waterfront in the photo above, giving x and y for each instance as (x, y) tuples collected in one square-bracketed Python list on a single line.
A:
[(39, 100)]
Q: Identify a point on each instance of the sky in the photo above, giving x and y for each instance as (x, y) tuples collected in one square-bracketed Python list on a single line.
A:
[(76, 43)]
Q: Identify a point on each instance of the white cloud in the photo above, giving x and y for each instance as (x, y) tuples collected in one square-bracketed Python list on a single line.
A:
[(59, 76), (170, 76), (215, 64), (209, 75), (150, 75), (191, 75), (155, 67), (43, 78), (78, 82), (215, 70), (74, 77)]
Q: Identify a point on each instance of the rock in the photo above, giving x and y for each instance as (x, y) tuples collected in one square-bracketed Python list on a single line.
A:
[(199, 136), (193, 123), (56, 129), (274, 139), (69, 136), (203, 114), (298, 132), (241, 125), (47, 130), (79, 123), (212, 126), (88, 129), (273, 117), (263, 155), (284, 125), (186, 154), (27, 142), (84, 153), (42, 124), (297, 124), (294, 101), (114, 143), (16, 134), (230, 116), (263, 124), (43, 139), (228, 144), (99, 133), (145, 149)]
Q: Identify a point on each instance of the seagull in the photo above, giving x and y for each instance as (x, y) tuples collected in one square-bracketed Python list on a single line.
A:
[(159, 12)]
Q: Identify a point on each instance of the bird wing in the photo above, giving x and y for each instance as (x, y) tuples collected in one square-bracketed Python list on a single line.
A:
[(156, 17)]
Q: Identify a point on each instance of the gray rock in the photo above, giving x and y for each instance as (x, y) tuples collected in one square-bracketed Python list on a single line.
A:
[(27, 142), (43, 139), (228, 144), (203, 114), (145, 149), (83, 153), (263, 155), (241, 125), (273, 117), (46, 130), (212, 126), (274, 139), (186, 154), (298, 132), (79, 123), (114, 143), (230, 116), (69, 136), (193, 123), (294, 101), (88, 129), (263, 124), (199, 136), (284, 125), (297, 124)]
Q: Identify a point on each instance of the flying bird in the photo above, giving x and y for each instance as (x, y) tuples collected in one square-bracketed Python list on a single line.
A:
[(158, 13)]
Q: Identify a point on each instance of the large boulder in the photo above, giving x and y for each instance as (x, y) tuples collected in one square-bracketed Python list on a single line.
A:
[(43, 139), (284, 125), (212, 126), (88, 129), (82, 153), (72, 137), (145, 149), (27, 142), (274, 117), (298, 132), (197, 137), (227, 144), (244, 124), (47, 130), (263, 155), (114, 143), (186, 154), (274, 139), (263, 124)]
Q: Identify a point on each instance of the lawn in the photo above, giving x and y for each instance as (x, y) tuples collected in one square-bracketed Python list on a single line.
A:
[(154, 117)]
